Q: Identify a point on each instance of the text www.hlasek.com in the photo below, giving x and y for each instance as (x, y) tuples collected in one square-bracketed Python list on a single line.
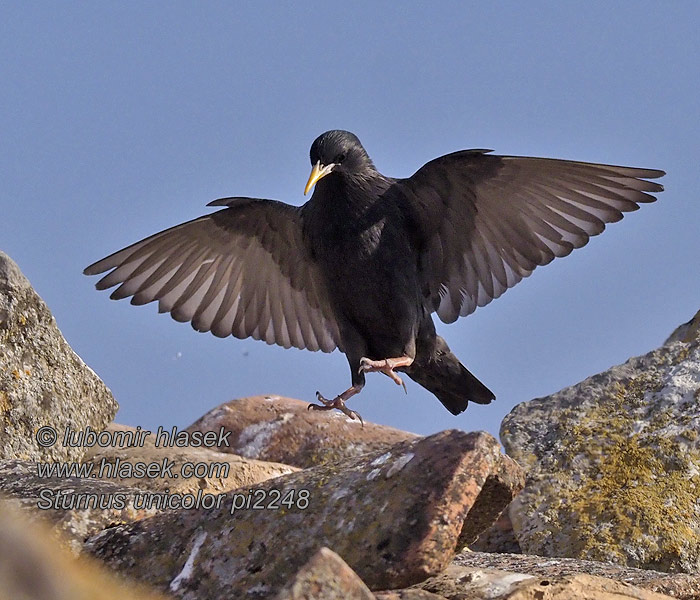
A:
[(108, 469)]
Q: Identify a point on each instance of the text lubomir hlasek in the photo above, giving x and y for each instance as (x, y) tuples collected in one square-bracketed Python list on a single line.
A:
[(164, 438)]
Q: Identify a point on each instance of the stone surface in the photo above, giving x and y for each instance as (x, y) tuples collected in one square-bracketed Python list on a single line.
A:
[(680, 585), (464, 582), (687, 332), (489, 505), (90, 502), (283, 430), (42, 381), (500, 537), (614, 463), (677, 585), (325, 577), (86, 506), (394, 516), (580, 587), (408, 594), (470, 583), (35, 567), (225, 471)]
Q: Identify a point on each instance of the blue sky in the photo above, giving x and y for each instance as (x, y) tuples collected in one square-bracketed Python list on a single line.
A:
[(118, 120)]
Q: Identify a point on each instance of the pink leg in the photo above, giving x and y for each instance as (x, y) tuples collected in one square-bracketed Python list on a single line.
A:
[(387, 367), (339, 403)]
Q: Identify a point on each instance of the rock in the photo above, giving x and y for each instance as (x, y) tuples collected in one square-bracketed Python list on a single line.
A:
[(581, 587), (500, 537), (680, 585), (686, 332), (35, 567), (677, 585), (614, 464), (408, 594), (489, 505), (90, 504), (283, 430), (325, 577), (42, 381), (394, 516), (224, 472), (464, 583)]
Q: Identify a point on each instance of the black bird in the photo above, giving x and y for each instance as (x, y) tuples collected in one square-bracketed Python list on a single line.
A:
[(366, 261)]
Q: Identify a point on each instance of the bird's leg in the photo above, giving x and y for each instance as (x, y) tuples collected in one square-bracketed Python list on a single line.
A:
[(339, 403), (386, 366)]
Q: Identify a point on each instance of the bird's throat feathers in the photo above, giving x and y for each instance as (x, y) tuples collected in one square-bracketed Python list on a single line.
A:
[(351, 193)]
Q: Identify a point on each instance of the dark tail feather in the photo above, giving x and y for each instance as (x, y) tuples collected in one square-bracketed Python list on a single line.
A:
[(447, 378)]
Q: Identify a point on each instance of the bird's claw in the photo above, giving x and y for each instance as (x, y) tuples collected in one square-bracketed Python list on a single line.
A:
[(385, 366), (337, 403), (326, 404)]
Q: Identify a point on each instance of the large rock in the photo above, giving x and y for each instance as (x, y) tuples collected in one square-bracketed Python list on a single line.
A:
[(686, 332), (325, 577), (581, 587), (42, 381), (412, 594), (99, 492), (75, 507), (500, 537), (485, 513), (35, 567), (459, 582), (394, 516), (283, 430), (469, 567), (614, 463)]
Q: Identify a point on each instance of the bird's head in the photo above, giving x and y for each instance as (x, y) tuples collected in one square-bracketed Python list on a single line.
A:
[(338, 152)]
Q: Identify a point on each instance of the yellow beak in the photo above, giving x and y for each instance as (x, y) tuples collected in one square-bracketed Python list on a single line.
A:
[(319, 171)]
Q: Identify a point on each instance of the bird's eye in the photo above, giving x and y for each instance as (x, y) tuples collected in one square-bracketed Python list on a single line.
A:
[(339, 158)]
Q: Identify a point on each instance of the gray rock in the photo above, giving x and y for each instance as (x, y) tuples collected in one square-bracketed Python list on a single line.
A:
[(42, 381), (394, 516), (489, 506), (283, 430), (411, 594), (476, 582), (325, 577), (581, 587), (450, 582), (686, 332), (472, 582), (75, 508), (500, 537), (78, 507), (614, 463)]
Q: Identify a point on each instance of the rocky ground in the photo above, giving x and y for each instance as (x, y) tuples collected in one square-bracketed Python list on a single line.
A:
[(597, 495)]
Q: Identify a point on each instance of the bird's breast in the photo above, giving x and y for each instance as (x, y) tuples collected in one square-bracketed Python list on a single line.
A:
[(370, 239)]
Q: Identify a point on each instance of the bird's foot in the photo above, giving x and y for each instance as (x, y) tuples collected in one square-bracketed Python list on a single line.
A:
[(386, 366), (337, 403)]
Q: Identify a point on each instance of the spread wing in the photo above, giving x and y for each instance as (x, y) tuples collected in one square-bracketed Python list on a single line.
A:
[(242, 271), (488, 221)]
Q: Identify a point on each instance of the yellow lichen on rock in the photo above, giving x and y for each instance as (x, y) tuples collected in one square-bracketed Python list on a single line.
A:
[(614, 464)]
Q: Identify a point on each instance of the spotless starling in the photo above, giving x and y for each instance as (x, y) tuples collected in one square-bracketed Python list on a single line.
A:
[(364, 264)]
